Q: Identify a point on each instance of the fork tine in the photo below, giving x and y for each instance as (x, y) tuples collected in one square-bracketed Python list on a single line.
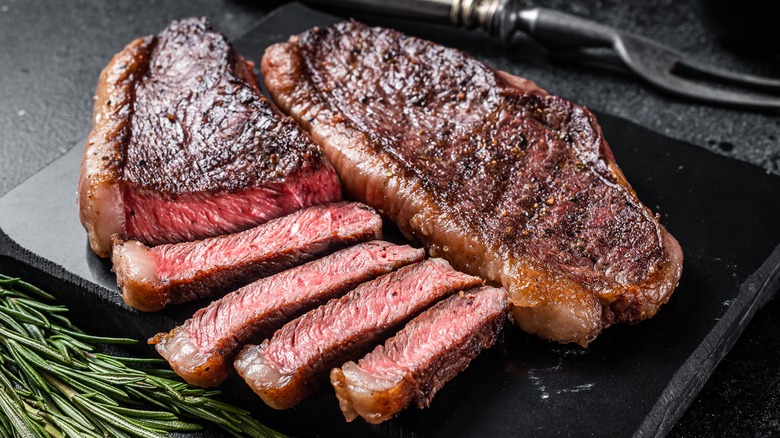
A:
[(608, 60), (655, 63), (693, 90), (746, 80)]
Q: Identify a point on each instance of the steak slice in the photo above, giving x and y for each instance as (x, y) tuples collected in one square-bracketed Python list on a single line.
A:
[(488, 170), (416, 363), (153, 278), (184, 146), (287, 368), (202, 350)]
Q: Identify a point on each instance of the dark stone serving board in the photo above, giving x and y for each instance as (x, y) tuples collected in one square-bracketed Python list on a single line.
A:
[(633, 380)]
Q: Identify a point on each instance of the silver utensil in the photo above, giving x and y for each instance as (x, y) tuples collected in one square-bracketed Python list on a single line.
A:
[(573, 36)]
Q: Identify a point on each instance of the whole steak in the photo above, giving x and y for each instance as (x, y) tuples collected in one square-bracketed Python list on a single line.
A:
[(488, 170), (184, 146)]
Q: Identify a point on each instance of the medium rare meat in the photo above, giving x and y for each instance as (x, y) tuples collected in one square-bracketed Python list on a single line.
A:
[(153, 278), (416, 363), (287, 368), (488, 170), (202, 350), (184, 146)]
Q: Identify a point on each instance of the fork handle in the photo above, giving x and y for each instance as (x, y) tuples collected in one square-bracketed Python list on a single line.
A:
[(434, 10), (557, 30), (560, 30)]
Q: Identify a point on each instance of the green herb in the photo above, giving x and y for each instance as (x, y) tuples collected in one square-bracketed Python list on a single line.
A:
[(54, 382)]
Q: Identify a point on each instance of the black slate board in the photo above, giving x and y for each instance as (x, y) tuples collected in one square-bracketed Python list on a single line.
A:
[(633, 380)]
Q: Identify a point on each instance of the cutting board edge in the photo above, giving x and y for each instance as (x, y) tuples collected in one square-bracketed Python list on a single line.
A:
[(754, 293)]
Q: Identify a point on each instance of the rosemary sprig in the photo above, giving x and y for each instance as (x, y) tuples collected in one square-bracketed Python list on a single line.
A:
[(54, 382)]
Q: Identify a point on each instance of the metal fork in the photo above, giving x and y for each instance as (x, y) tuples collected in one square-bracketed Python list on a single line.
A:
[(659, 65)]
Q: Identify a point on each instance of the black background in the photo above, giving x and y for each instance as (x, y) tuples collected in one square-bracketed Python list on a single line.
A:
[(52, 52)]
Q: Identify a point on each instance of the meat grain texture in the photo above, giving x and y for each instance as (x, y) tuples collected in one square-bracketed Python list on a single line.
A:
[(288, 367), (202, 349), (489, 171), (184, 146), (154, 278), (412, 366)]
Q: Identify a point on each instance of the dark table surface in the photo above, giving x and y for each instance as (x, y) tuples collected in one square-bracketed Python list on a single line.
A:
[(52, 52)]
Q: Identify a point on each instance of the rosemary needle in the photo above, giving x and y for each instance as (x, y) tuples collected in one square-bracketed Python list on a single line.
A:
[(54, 382)]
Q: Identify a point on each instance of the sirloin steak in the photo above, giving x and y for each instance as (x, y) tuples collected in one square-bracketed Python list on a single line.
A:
[(184, 146), (488, 170)]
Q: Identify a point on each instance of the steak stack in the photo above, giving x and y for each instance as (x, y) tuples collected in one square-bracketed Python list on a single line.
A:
[(184, 146), (488, 170), (196, 186)]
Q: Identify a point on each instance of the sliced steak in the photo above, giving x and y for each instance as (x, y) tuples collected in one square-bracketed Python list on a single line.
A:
[(416, 363), (202, 350), (488, 170), (153, 278), (287, 368), (184, 146)]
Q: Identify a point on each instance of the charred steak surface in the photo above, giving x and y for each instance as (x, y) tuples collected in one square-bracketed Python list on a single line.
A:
[(488, 170), (184, 146)]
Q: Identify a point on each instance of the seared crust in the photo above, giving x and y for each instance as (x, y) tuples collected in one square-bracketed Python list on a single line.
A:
[(101, 208), (527, 194), (184, 146), (201, 123)]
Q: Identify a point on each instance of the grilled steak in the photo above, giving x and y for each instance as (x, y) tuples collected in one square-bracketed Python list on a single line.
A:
[(153, 278), (202, 350), (415, 363), (488, 170), (184, 146), (287, 368)]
